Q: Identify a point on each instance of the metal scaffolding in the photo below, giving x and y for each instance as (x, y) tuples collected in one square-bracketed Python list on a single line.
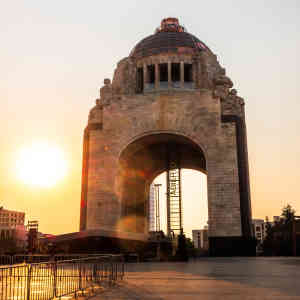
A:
[(174, 207)]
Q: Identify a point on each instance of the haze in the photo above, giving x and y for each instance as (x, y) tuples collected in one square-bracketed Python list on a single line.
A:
[(54, 56)]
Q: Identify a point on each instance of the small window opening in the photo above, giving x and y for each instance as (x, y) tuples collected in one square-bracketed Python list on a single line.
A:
[(139, 80), (163, 72), (151, 73), (175, 72), (188, 75)]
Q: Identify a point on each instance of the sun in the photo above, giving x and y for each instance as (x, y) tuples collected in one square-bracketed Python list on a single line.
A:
[(41, 164)]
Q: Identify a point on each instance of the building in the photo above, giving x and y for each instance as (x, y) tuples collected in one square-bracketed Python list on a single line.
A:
[(33, 236), (10, 218), (259, 229), (170, 103), (277, 219), (12, 227), (200, 238), (21, 237)]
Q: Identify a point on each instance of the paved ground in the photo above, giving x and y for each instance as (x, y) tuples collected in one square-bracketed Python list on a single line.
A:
[(210, 279)]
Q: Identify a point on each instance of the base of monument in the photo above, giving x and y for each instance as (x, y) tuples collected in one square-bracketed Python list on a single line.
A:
[(99, 241), (232, 246)]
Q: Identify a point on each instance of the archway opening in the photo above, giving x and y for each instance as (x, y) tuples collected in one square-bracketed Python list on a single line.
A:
[(194, 208), (141, 162)]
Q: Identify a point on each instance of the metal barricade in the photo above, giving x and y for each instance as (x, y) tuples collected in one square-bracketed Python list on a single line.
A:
[(6, 260), (48, 280)]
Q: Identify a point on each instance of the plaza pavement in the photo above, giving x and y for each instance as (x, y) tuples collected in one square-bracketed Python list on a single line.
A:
[(210, 279)]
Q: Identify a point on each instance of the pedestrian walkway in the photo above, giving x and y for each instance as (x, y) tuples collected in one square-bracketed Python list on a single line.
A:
[(210, 279)]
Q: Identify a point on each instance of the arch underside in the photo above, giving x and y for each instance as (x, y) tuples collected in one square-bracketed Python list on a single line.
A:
[(141, 162)]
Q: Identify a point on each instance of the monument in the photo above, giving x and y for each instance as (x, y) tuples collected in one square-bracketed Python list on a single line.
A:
[(169, 105)]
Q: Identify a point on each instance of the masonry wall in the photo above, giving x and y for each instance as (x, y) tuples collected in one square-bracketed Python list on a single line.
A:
[(193, 114)]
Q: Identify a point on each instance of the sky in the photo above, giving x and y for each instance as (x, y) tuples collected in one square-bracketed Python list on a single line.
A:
[(55, 54), (193, 200)]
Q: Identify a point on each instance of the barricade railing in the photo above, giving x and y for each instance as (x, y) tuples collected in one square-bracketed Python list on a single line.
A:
[(54, 279), (38, 258)]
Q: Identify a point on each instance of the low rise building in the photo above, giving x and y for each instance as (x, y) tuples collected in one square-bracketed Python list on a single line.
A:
[(259, 229), (200, 238), (12, 229), (11, 217), (10, 221)]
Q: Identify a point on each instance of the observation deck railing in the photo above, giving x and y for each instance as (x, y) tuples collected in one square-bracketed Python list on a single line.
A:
[(54, 279)]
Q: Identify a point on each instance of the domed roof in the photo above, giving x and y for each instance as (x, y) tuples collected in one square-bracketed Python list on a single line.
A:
[(170, 37)]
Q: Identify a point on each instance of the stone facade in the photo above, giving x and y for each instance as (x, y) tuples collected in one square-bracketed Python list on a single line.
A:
[(136, 122)]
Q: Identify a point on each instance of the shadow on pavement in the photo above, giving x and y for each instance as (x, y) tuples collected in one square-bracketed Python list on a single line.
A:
[(277, 276)]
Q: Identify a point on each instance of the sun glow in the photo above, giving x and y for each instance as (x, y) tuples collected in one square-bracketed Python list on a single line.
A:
[(41, 164)]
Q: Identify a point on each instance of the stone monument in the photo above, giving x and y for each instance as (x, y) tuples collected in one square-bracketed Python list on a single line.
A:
[(169, 98)]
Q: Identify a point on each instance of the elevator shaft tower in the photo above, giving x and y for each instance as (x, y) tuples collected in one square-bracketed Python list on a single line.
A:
[(174, 203)]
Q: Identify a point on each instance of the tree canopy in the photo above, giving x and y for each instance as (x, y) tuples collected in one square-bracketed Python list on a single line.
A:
[(287, 213)]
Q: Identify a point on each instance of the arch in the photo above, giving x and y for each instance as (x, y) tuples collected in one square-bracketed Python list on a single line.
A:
[(189, 137), (194, 202), (140, 162)]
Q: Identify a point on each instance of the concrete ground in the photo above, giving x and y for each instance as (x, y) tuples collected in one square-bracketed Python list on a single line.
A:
[(210, 279)]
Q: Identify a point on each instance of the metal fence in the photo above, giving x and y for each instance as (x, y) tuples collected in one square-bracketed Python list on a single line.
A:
[(49, 280), (38, 258)]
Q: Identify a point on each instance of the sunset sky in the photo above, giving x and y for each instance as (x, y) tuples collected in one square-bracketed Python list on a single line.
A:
[(55, 54)]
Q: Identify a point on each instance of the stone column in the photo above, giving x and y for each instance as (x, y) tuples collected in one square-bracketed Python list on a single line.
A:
[(157, 77), (169, 75), (182, 74), (145, 76), (194, 73), (199, 74)]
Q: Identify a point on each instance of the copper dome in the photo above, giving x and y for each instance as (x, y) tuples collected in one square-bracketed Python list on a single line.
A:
[(170, 38)]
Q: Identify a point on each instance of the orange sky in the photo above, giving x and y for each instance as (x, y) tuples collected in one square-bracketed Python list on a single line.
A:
[(54, 56)]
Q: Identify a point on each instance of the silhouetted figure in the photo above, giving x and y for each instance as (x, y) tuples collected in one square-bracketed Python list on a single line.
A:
[(181, 253)]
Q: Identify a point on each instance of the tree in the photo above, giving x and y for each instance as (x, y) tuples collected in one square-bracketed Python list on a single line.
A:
[(288, 214), (279, 240)]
